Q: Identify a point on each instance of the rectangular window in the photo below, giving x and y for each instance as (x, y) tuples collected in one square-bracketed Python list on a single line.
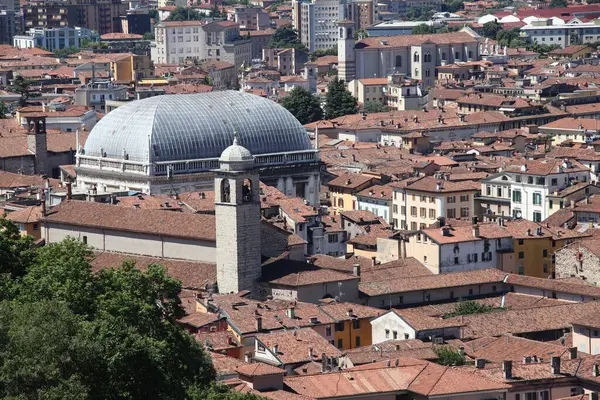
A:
[(499, 191), (537, 216), (537, 199), (400, 299), (423, 212), (387, 333), (521, 255), (464, 197), (84, 238), (340, 344), (355, 324), (464, 212), (451, 213), (520, 241), (451, 199), (530, 180), (395, 335), (432, 213), (516, 196), (544, 253), (339, 327), (328, 331), (413, 211), (358, 341), (554, 181), (403, 210)]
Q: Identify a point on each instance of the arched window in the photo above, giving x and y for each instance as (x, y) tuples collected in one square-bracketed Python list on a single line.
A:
[(428, 57), (427, 73), (225, 191), (416, 72), (398, 61), (247, 191), (342, 33), (416, 57)]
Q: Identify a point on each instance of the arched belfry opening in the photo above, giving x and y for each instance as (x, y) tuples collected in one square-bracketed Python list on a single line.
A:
[(247, 194), (225, 191)]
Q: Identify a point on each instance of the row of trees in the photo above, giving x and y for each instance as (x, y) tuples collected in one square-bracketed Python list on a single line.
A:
[(511, 38), (68, 333), (307, 108)]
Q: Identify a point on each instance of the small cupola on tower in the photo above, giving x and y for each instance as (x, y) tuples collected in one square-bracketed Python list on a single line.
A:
[(237, 211)]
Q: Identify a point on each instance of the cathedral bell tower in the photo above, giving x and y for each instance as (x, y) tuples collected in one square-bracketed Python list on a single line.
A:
[(346, 42), (237, 209)]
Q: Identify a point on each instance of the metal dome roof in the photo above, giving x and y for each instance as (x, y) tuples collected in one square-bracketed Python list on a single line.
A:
[(195, 126)]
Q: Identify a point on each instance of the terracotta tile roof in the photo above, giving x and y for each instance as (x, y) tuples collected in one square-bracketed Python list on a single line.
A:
[(171, 24), (412, 375), (432, 282), (373, 233), (293, 346), (573, 124), (148, 202), (343, 311), (191, 274), (555, 285), (374, 81), (360, 216), (121, 36), (524, 321), (493, 100), (297, 273), (259, 369), (26, 215), (203, 202), (217, 340), (154, 222), (414, 40), (350, 181), (431, 184), (508, 347), (380, 192), (198, 319), (225, 365), (10, 180), (241, 313), (465, 233)]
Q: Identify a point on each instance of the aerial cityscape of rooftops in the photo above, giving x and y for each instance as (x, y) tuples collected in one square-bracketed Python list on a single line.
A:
[(300, 200)]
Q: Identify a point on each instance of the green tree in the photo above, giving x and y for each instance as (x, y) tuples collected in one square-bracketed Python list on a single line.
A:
[(358, 34), (374, 107), (558, 4), (3, 110), (20, 85), (448, 356), (338, 100), (220, 392), (285, 37), (423, 29), (153, 12), (491, 29), (454, 6), (184, 14), (110, 335), (333, 51), (149, 36), (67, 51), (468, 307), (303, 105), (15, 253)]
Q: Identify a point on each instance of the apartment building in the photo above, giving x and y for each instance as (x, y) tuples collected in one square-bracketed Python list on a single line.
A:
[(53, 39), (522, 189), (102, 16), (251, 18), (177, 41), (344, 188), (545, 31), (464, 247), (319, 23), (422, 202), (378, 200)]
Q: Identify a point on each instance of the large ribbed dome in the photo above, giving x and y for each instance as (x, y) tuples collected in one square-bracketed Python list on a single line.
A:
[(195, 126)]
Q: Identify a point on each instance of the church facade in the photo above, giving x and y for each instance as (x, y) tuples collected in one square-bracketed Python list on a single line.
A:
[(416, 56)]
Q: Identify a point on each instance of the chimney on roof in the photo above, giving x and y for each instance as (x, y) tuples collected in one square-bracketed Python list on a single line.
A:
[(528, 231), (461, 117), (259, 326), (356, 269), (555, 365), (507, 369), (595, 370), (500, 221), (310, 353), (349, 312), (323, 362), (572, 353), (373, 261), (476, 231), (69, 190), (291, 312), (275, 348), (438, 186), (248, 357), (526, 359), (480, 363)]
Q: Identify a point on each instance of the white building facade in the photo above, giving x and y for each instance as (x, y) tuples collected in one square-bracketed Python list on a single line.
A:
[(53, 39), (177, 41), (319, 23)]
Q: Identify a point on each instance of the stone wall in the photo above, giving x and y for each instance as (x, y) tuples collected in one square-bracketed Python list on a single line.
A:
[(586, 267)]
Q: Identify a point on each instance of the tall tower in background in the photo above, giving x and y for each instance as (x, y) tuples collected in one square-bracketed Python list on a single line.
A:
[(347, 63), (237, 209)]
